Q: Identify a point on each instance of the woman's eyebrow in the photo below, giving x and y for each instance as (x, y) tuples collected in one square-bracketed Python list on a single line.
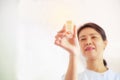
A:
[(82, 36)]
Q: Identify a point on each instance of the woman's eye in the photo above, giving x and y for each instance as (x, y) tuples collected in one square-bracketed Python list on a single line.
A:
[(83, 39), (93, 37)]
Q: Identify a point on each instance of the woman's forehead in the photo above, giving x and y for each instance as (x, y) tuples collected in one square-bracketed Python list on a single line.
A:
[(92, 34), (88, 31)]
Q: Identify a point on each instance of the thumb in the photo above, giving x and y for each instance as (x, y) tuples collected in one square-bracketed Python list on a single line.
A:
[(75, 32)]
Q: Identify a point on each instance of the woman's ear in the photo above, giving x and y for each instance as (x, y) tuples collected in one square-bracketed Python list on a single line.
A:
[(105, 43)]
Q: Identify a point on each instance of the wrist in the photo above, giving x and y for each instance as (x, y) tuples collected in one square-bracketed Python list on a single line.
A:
[(74, 53)]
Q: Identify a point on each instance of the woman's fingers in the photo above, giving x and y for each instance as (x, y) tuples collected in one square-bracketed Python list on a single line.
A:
[(66, 35), (63, 36), (63, 29), (60, 35), (75, 32), (57, 42)]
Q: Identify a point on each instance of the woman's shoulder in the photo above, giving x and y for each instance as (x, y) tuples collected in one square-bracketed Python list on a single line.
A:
[(113, 75), (110, 72), (108, 75), (92, 75)]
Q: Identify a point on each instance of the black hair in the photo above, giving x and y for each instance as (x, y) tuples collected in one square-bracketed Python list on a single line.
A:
[(95, 27), (105, 63), (98, 29)]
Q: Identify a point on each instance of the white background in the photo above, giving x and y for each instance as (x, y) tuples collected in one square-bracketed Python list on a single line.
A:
[(28, 27)]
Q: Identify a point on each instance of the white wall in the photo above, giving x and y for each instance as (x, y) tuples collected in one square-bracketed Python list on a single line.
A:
[(39, 58), (8, 23), (38, 22)]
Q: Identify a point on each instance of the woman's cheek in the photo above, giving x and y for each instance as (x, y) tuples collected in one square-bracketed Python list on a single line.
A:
[(100, 45)]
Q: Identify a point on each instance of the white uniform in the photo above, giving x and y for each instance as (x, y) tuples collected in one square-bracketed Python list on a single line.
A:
[(92, 75)]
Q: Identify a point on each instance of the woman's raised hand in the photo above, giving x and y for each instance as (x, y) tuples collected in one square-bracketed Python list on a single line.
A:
[(67, 40)]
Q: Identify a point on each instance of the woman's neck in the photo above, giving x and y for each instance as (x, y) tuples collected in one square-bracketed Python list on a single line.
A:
[(96, 65)]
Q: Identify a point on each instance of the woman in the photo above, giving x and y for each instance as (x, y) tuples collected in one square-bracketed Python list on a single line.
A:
[(92, 41)]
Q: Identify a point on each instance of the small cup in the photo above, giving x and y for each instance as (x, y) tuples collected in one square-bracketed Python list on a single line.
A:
[(69, 26)]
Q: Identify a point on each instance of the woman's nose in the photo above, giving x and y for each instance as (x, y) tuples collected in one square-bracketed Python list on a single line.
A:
[(88, 41)]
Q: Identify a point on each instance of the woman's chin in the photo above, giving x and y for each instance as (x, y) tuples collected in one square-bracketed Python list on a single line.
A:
[(90, 56)]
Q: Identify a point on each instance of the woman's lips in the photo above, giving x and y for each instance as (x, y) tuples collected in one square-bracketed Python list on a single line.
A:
[(89, 48)]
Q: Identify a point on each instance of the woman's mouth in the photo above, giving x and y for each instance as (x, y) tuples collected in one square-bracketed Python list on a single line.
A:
[(89, 48)]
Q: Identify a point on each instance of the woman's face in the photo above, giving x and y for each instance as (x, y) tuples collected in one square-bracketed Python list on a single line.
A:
[(91, 43)]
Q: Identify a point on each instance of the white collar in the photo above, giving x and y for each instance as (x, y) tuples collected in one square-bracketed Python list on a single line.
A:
[(93, 73)]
